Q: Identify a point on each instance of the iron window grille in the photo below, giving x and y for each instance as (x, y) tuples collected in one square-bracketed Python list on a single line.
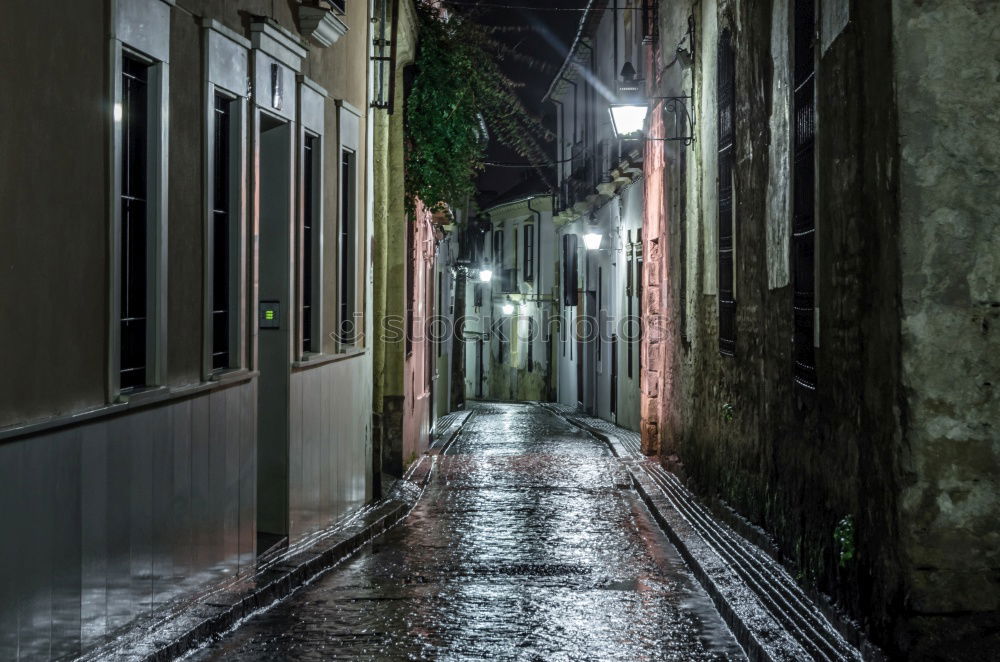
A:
[(134, 251), (310, 155), (222, 234), (348, 246), (682, 241), (638, 287), (629, 292), (804, 177), (727, 97)]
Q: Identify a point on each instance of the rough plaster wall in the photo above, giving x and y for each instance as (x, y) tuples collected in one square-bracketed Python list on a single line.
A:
[(708, 139), (796, 465), (779, 183), (947, 70)]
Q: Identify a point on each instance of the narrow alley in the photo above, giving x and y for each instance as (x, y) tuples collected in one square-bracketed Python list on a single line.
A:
[(527, 544)]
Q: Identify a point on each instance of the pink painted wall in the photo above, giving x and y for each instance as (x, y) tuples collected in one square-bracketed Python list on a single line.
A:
[(658, 347), (417, 369)]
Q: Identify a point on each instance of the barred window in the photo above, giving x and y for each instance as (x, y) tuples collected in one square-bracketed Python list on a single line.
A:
[(310, 153), (135, 225), (726, 100), (804, 178)]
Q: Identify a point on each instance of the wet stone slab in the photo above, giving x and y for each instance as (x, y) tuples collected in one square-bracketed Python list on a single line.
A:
[(525, 546)]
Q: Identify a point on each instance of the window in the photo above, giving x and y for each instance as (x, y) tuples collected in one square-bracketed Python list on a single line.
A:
[(531, 348), (411, 259), (348, 248), (570, 277), (440, 338), (223, 234), (629, 291), (726, 99), (498, 248), (135, 226), (804, 178), (529, 253), (508, 281), (600, 310), (310, 227), (501, 340), (682, 238), (638, 289)]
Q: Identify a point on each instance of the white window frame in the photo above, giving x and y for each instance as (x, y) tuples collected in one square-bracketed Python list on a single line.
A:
[(141, 29), (226, 58)]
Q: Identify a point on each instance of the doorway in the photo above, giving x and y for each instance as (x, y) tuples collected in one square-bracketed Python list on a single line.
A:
[(275, 205)]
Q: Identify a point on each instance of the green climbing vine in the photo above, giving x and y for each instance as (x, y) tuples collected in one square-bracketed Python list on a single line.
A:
[(459, 100)]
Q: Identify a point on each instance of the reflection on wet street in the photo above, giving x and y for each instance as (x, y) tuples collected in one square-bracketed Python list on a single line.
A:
[(527, 545)]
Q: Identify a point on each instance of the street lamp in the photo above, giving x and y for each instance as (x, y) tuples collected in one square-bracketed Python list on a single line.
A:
[(628, 115), (485, 275), (592, 240), (508, 307)]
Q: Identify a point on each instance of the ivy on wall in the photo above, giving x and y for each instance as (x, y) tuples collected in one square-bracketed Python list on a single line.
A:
[(460, 99)]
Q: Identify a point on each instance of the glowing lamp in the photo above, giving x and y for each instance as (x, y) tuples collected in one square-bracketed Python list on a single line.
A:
[(485, 275), (628, 119), (592, 240)]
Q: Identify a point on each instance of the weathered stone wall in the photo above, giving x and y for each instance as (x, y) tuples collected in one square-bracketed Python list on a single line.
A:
[(947, 70), (799, 463)]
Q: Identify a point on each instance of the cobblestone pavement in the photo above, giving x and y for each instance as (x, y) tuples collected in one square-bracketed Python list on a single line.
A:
[(527, 545)]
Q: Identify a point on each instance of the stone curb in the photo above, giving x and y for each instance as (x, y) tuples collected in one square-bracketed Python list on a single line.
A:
[(762, 635), (157, 638), (444, 442)]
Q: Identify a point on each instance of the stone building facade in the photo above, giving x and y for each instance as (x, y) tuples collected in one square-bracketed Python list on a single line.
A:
[(186, 240), (823, 260)]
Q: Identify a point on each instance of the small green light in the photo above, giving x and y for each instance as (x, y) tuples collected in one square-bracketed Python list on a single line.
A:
[(269, 315)]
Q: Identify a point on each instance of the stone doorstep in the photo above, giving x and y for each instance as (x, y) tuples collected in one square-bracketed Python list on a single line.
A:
[(759, 631), (186, 626)]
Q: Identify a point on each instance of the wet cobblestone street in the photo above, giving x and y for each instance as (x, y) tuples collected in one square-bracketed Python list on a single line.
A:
[(526, 545)]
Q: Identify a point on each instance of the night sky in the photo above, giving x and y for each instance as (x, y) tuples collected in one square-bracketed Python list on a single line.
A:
[(547, 37)]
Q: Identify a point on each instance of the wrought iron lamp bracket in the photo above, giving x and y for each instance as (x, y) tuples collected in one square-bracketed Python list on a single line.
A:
[(678, 107)]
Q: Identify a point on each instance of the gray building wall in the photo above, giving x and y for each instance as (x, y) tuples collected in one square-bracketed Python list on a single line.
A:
[(120, 505)]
